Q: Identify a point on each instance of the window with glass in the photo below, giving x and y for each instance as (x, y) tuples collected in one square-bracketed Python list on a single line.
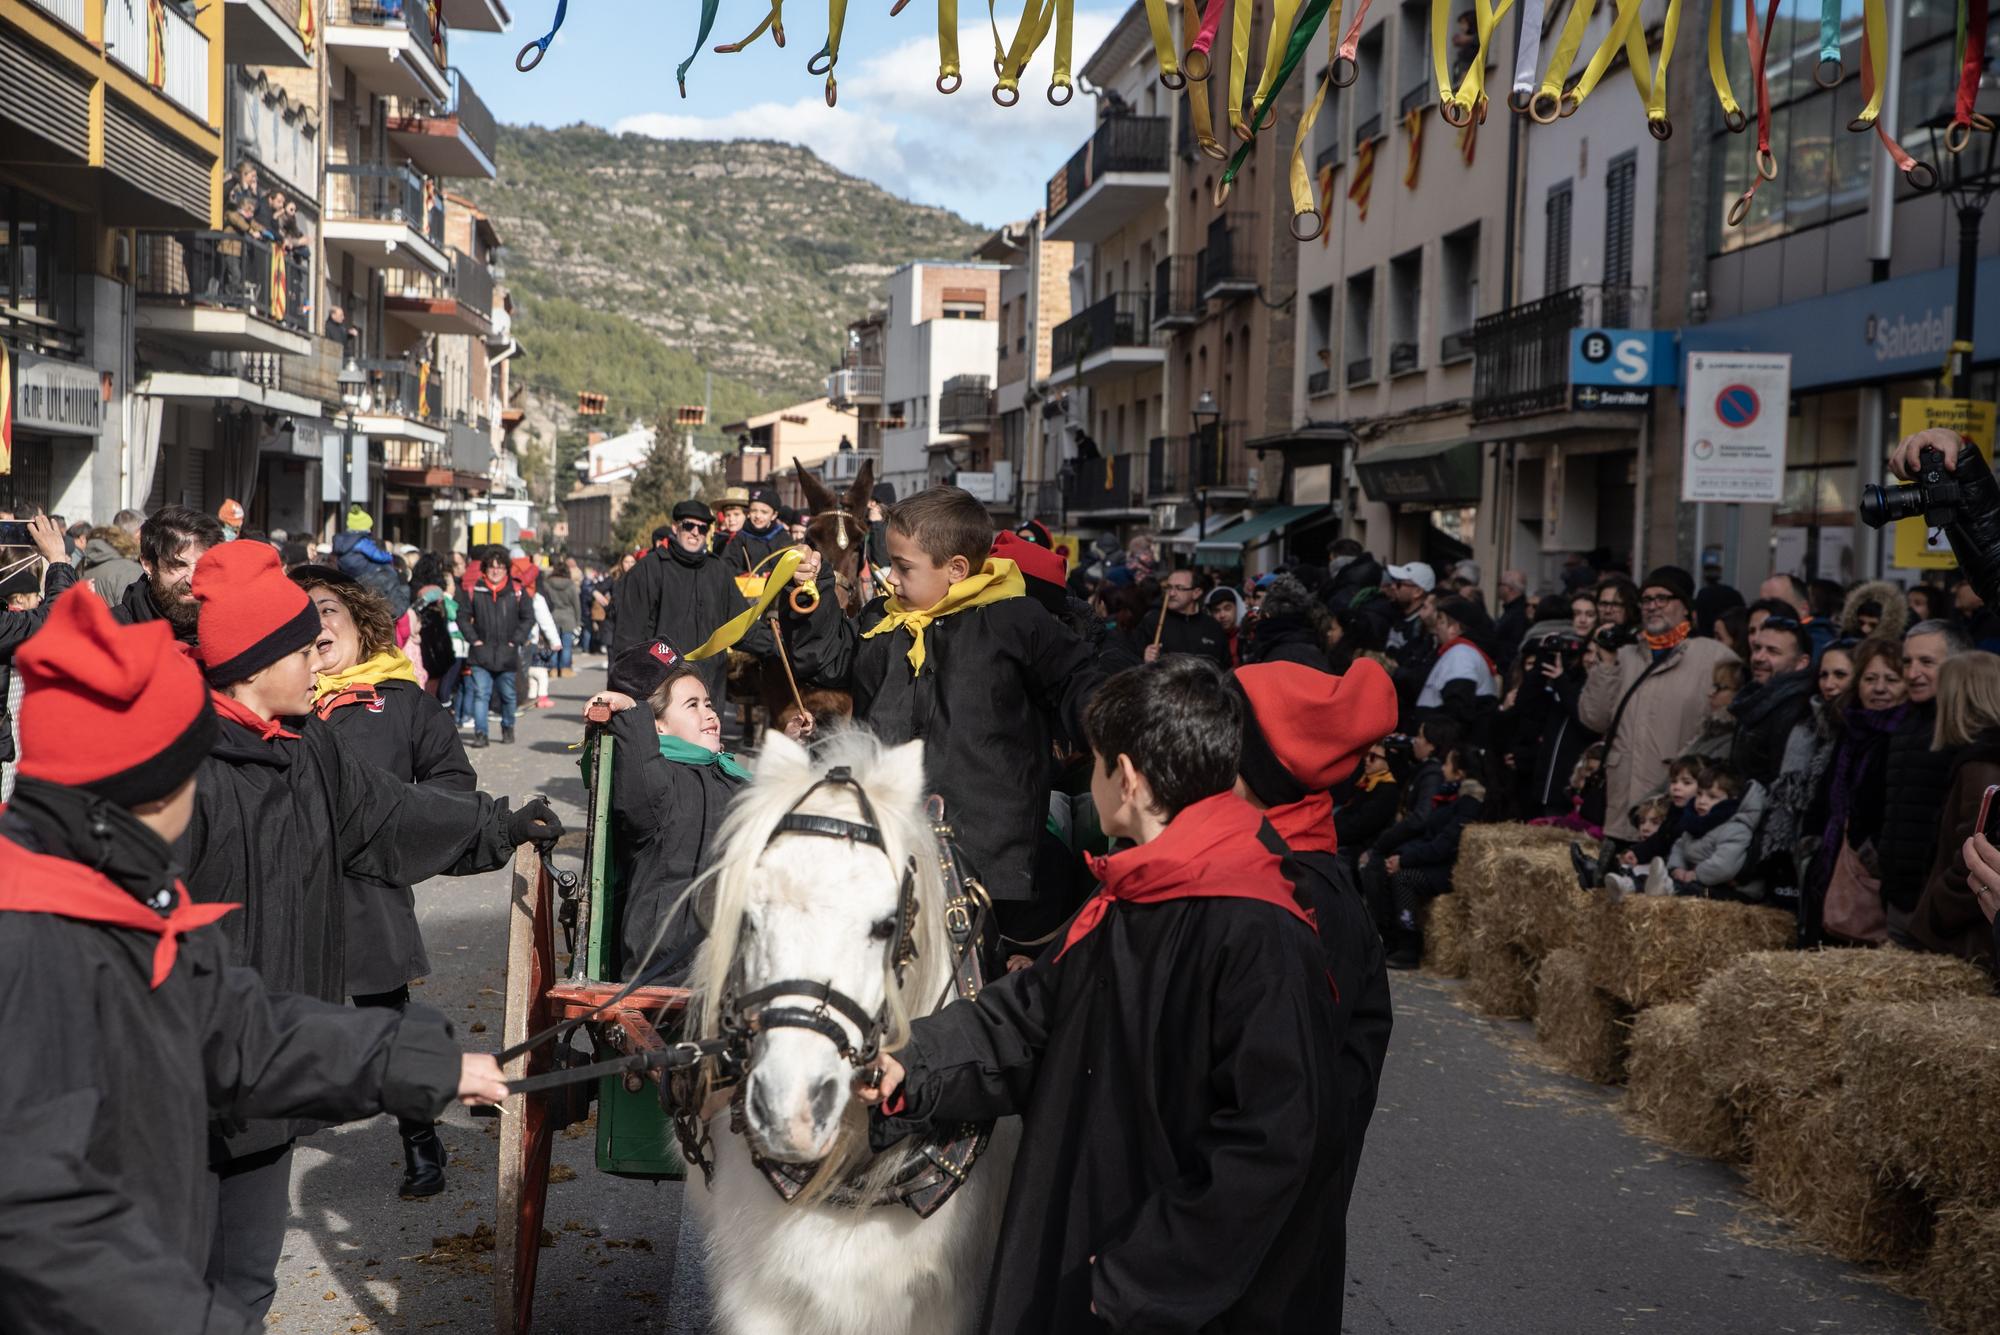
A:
[(37, 259), (1555, 239)]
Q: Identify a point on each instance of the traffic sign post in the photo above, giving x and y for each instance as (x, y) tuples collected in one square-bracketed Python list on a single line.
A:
[(1734, 445)]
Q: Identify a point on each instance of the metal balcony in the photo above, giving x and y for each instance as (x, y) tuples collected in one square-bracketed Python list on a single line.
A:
[(1110, 485), (852, 385), (1181, 467), (1229, 262), (1360, 371), (1120, 171), (403, 401), (390, 46), (1403, 358), (385, 217), (1319, 383), (1111, 337), (460, 301), (477, 15), (1521, 355), (183, 52), (966, 405), (1175, 302), (455, 137), (223, 290)]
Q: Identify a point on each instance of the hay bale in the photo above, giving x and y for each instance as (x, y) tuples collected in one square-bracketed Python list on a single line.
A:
[(1807, 1166), (1665, 1091), (1961, 1283), (1540, 902), (1920, 1091), (1447, 936), (1653, 950), (1582, 1026), (1767, 1021), (1501, 977), (1476, 873)]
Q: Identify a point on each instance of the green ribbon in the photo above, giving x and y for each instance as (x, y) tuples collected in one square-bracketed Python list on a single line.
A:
[(1303, 33), (688, 753), (708, 8)]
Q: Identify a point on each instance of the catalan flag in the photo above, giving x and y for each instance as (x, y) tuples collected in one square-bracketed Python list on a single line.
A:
[(1468, 140), (156, 43), (1325, 205), (1364, 177), (1413, 122), (308, 25), (280, 299)]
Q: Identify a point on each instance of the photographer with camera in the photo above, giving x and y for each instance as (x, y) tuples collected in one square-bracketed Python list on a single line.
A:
[(1546, 736), (1648, 697)]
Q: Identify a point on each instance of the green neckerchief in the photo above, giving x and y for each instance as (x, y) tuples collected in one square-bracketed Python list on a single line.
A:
[(687, 753)]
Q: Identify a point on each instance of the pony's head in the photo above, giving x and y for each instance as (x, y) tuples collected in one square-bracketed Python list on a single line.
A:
[(819, 916)]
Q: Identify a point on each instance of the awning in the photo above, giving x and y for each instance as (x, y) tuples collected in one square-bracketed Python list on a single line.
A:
[(1226, 547), (1190, 535), (1435, 473)]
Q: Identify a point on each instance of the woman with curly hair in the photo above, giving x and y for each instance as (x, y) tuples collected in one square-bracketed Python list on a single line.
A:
[(368, 689), (1290, 627)]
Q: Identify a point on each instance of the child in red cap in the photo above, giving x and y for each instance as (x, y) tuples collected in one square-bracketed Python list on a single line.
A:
[(130, 1029), (284, 817)]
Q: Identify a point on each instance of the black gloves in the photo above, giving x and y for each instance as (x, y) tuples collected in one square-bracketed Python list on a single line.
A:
[(534, 821)]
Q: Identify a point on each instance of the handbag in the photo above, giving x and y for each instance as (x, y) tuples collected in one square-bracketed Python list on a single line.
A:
[(1854, 909)]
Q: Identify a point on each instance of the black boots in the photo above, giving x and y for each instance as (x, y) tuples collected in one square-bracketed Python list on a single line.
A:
[(423, 1163), (478, 742), (1405, 941), (506, 736), (1586, 867)]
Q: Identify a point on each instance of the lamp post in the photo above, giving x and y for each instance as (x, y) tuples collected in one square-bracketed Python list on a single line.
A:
[(353, 383), (1206, 413), (1965, 158)]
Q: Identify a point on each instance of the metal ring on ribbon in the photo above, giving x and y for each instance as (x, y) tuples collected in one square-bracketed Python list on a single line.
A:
[(805, 599), (1318, 225), (1767, 164), (1570, 103), (1520, 100), (832, 91), (1456, 114), (1827, 73), (1222, 189), (1661, 129), (1545, 108), (1739, 210), (1343, 72), (1957, 136), (540, 46), (1173, 79), (1213, 149), (957, 83), (1013, 95), (1068, 91), (1737, 121), (1195, 65), (815, 68), (1861, 125), (1922, 176)]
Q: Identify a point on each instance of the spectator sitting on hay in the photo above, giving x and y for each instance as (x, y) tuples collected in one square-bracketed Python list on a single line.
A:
[(1415, 867), (1714, 844), (1433, 739), (1371, 809), (1683, 781)]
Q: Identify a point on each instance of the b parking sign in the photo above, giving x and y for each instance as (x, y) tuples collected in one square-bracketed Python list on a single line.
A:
[(1616, 369)]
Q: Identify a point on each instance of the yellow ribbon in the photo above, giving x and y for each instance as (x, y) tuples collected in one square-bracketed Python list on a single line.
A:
[(774, 23), (1163, 43), (1201, 118), (391, 664), (1469, 98), (1620, 36), (997, 580), (1036, 20), (1876, 24), (1240, 14), (1303, 203), (1718, 71), (947, 51), (1283, 17), (727, 634)]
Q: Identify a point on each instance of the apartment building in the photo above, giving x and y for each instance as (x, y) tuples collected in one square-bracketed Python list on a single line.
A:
[(1034, 298), (764, 447)]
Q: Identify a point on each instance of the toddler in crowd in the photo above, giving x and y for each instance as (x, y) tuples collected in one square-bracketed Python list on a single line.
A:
[(1716, 830)]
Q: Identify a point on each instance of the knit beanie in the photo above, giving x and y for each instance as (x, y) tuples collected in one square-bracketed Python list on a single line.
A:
[(1305, 730), (251, 615), (1675, 581), (638, 671), (359, 520), (117, 711)]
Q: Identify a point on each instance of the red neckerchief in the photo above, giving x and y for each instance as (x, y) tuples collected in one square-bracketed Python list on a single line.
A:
[(1209, 851), (362, 694), (486, 582), (1491, 666), (237, 712), (36, 883), (1306, 825), (1660, 642)]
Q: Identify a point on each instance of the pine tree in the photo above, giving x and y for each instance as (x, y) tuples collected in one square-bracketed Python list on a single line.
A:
[(665, 477)]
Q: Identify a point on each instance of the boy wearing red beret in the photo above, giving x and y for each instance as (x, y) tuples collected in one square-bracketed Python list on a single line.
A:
[(130, 1029), (284, 817)]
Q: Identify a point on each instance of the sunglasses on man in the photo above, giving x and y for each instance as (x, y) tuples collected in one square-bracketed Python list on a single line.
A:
[(692, 526)]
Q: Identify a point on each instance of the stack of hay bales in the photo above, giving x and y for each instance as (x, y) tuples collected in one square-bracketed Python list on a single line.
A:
[(1665, 1088), (1582, 1026), (1448, 936), (1769, 1044), (1530, 907)]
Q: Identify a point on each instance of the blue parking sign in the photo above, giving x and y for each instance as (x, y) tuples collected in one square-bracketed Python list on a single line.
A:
[(1616, 369)]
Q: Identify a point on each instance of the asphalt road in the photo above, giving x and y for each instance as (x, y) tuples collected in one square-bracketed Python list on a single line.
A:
[(1496, 1196)]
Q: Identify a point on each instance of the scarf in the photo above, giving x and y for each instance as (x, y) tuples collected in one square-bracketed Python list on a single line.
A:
[(1659, 644), (683, 752), (389, 665), (1209, 851), (1695, 825), (1306, 826), (686, 558), (1485, 657), (1368, 783), (236, 711), (103, 865), (1859, 752), (997, 581), (494, 585)]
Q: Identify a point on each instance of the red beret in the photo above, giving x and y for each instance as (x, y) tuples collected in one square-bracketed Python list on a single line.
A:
[(1319, 725), (1036, 562), (117, 710), (252, 614)]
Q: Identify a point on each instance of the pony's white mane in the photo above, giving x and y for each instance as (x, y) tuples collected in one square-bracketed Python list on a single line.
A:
[(894, 781)]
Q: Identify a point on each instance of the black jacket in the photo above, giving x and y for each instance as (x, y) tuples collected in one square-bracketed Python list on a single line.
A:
[(1424, 783), (1366, 816), (137, 607), (1547, 739), (1182, 1185), (401, 730), (1432, 847), (1000, 683), (495, 625), (1915, 780), (681, 598), (1284, 640), (749, 553), (664, 816), (1765, 716), (1195, 633), (280, 826), (107, 1207)]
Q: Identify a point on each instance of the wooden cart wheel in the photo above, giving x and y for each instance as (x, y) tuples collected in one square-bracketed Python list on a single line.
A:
[(527, 1129)]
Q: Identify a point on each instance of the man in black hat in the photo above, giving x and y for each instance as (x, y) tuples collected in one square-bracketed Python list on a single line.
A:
[(680, 593), (762, 535)]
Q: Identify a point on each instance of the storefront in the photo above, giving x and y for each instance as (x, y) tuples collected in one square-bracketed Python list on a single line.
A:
[(58, 415), (1420, 500)]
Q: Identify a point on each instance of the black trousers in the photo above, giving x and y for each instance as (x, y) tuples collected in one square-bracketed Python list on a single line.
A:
[(1394, 901), (253, 1201), (395, 1000)]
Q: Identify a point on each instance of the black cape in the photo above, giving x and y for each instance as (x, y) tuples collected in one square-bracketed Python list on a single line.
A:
[(1177, 1073), (107, 1208), (681, 601), (280, 826), (412, 739), (1000, 683)]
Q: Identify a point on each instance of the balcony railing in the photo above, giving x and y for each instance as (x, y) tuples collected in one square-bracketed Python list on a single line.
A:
[(1455, 347), (313, 376), (1360, 371), (469, 283), (69, 12), (1042, 500), (966, 403), (1119, 144), (414, 455), (1368, 129), (398, 389), (1175, 299), (475, 119), (855, 384), (1121, 320), (1114, 482), (227, 271), (182, 72), (378, 193), (1229, 262), (1403, 357), (413, 15), (1185, 465), (1318, 383), (471, 447), (1521, 355)]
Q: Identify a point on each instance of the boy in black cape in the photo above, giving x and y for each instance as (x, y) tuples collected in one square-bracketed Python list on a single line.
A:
[(129, 1027), (1172, 1059), (962, 658)]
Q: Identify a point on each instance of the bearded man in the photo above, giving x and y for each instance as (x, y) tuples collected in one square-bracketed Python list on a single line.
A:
[(171, 541)]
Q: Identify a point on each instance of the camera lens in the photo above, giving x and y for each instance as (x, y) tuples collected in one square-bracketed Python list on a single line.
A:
[(1885, 505)]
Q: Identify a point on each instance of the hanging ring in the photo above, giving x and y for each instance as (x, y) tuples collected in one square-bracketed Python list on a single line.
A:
[(1922, 176), (1068, 91), (956, 83), (1828, 72), (1456, 114), (1861, 125), (1739, 210), (805, 599), (1520, 100), (1005, 95), (1317, 224), (1767, 164), (832, 91), (1343, 71), (1222, 189), (1545, 107), (778, 33), (897, 8), (1479, 108), (1957, 136), (1173, 79), (1211, 148), (1983, 124), (1570, 103), (1736, 121), (1661, 129), (815, 68), (525, 62), (1195, 66)]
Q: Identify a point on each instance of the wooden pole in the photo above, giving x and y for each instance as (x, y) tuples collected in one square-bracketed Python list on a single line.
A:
[(785, 659)]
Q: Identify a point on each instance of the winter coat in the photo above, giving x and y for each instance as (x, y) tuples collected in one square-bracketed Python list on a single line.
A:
[(1719, 856), (749, 552), (999, 684), (1366, 816), (1800, 771), (1712, 601), (400, 729), (360, 556), (137, 607), (682, 599), (1126, 1192), (1915, 783), (1765, 716), (108, 570), (1663, 711), (281, 826), (1713, 740), (1361, 575), (1509, 629), (1461, 662), (1947, 918), (565, 601), (107, 1206), (1895, 610), (495, 625), (1417, 792), (1548, 739), (1195, 633), (1285, 640)]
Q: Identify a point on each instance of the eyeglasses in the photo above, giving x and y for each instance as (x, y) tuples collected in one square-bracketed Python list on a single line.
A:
[(1656, 599), (692, 526)]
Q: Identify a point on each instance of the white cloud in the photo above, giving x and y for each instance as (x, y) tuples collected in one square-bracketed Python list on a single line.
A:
[(893, 127)]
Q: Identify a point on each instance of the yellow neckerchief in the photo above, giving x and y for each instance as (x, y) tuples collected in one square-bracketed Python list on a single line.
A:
[(1368, 783), (391, 664), (997, 581)]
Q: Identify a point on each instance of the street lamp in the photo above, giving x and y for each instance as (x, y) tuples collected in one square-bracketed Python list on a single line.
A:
[(1965, 158), (353, 383), (1206, 413)]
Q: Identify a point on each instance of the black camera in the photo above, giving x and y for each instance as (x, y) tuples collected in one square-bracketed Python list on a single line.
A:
[(1964, 502), (1562, 649), (1613, 637)]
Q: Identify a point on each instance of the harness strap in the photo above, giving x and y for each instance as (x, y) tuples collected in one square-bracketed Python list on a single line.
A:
[(830, 827)]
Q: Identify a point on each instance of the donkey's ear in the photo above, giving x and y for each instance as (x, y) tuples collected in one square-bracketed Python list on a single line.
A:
[(781, 759), (900, 778), (864, 486), (819, 500)]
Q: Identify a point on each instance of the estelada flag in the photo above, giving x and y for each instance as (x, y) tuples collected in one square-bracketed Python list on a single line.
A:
[(308, 25), (1364, 177), (156, 43), (1468, 140), (280, 299)]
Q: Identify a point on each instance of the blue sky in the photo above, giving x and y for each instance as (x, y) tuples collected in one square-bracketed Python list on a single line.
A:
[(613, 65)]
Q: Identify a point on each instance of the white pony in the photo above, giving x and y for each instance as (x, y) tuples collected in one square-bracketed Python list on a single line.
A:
[(794, 906)]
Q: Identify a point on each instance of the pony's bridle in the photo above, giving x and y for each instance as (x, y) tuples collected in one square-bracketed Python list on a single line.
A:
[(743, 1016)]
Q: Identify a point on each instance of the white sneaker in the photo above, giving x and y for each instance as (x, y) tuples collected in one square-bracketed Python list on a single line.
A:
[(1657, 880), (1618, 885)]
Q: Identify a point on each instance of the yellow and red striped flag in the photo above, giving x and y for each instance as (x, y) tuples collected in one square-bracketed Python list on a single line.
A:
[(1468, 140), (308, 25), (156, 43), (1413, 121), (1325, 205), (1364, 177), (280, 299)]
